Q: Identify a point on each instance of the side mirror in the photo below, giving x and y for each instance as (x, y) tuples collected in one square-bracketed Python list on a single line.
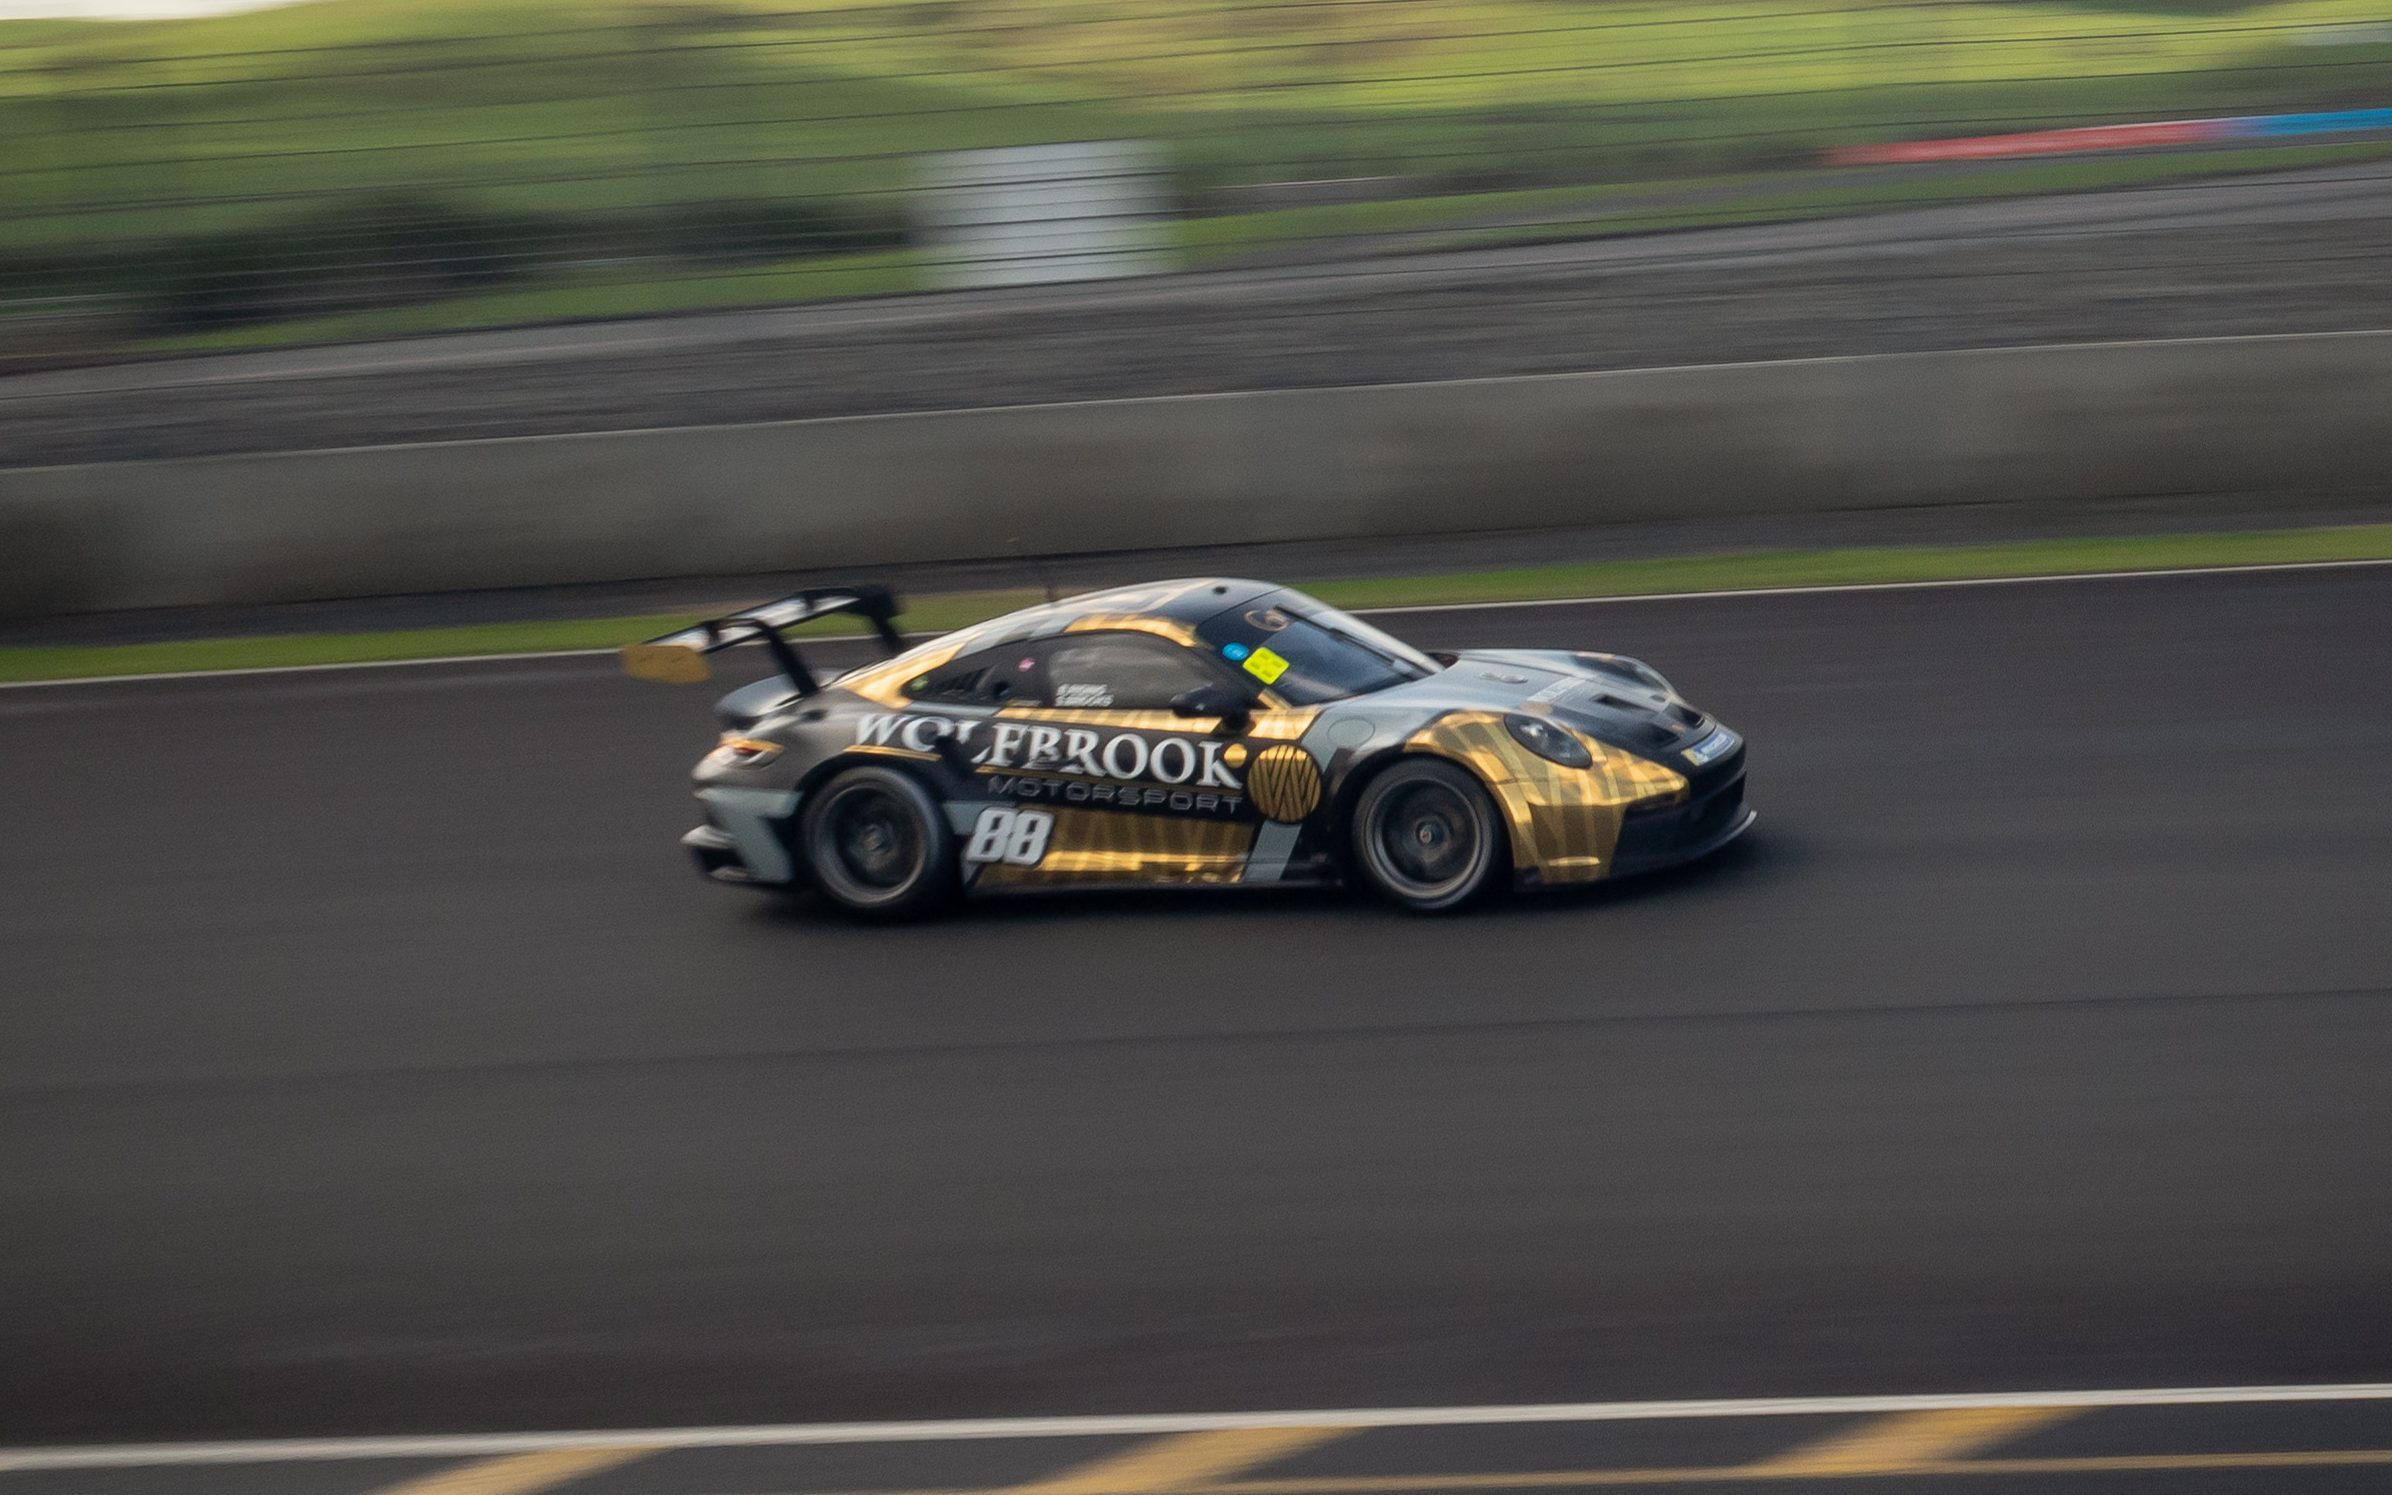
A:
[(1214, 700)]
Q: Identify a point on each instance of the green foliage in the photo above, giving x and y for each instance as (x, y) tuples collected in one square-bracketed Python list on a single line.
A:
[(548, 135), (566, 295), (401, 250), (373, 252)]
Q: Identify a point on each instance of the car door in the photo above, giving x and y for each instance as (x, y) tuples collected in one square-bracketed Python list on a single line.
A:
[(1104, 781)]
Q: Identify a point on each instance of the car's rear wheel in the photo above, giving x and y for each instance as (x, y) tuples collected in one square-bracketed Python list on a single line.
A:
[(877, 845), (1426, 836)]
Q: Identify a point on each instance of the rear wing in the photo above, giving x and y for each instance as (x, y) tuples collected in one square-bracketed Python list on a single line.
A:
[(680, 658)]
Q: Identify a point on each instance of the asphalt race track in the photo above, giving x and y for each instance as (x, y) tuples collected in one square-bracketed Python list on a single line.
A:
[(369, 1060)]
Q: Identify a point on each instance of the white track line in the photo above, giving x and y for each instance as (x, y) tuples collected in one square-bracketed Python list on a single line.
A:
[(305, 669), (1416, 607), (1824, 588), (472, 1445)]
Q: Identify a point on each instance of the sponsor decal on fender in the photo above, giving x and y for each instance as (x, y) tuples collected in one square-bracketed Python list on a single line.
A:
[(997, 746), (1285, 783)]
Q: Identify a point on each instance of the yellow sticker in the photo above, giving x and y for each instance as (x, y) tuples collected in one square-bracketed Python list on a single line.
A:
[(1265, 666)]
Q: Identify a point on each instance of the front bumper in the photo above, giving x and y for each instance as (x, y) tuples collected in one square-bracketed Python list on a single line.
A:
[(1712, 815)]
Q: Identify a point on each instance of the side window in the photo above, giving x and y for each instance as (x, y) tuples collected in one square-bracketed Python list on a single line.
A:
[(1118, 672), (992, 677)]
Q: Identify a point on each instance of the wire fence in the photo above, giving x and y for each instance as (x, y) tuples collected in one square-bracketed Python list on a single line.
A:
[(350, 167)]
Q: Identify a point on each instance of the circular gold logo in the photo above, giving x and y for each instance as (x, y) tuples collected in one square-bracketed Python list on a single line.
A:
[(1284, 783)]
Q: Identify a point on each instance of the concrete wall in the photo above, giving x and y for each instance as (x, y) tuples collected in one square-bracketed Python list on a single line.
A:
[(2299, 414)]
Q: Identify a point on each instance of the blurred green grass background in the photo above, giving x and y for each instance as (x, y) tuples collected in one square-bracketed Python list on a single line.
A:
[(639, 157)]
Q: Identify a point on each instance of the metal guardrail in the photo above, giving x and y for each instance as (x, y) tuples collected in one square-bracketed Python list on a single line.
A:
[(2150, 421)]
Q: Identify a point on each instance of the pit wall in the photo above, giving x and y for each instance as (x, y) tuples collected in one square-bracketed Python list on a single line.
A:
[(2294, 415)]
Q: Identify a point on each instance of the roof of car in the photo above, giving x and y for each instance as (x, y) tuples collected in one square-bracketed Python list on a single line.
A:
[(1170, 609), (1187, 601)]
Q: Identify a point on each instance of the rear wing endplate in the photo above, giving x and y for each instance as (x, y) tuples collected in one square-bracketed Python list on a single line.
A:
[(680, 658)]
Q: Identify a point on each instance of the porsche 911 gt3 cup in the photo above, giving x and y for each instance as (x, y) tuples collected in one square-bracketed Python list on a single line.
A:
[(1190, 733)]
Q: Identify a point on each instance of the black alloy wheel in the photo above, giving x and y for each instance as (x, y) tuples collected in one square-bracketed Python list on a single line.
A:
[(877, 845), (1426, 837)]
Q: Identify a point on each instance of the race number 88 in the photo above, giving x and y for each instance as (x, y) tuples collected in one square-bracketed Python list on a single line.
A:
[(1015, 836)]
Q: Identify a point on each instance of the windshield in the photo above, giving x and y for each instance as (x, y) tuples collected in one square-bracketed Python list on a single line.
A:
[(1309, 652)]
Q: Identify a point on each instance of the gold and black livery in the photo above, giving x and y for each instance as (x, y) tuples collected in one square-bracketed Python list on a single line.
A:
[(1194, 732)]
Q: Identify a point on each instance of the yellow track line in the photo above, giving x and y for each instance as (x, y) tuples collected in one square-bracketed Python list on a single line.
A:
[(516, 1474), (1905, 1440), (1181, 1462)]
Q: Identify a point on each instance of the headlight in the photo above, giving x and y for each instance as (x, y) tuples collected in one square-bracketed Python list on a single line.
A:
[(1546, 740), (743, 752)]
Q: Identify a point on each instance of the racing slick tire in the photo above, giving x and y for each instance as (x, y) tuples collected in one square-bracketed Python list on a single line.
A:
[(1426, 837), (877, 846)]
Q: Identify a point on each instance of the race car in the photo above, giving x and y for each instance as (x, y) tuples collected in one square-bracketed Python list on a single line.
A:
[(1190, 733)]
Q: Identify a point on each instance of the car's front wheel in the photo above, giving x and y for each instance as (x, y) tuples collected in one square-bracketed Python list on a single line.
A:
[(1426, 836), (877, 845)]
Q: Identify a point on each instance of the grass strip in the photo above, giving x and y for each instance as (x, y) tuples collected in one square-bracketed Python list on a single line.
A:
[(1805, 568), (937, 613)]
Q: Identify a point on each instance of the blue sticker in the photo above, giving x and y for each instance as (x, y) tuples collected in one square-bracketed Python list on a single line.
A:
[(1234, 651)]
